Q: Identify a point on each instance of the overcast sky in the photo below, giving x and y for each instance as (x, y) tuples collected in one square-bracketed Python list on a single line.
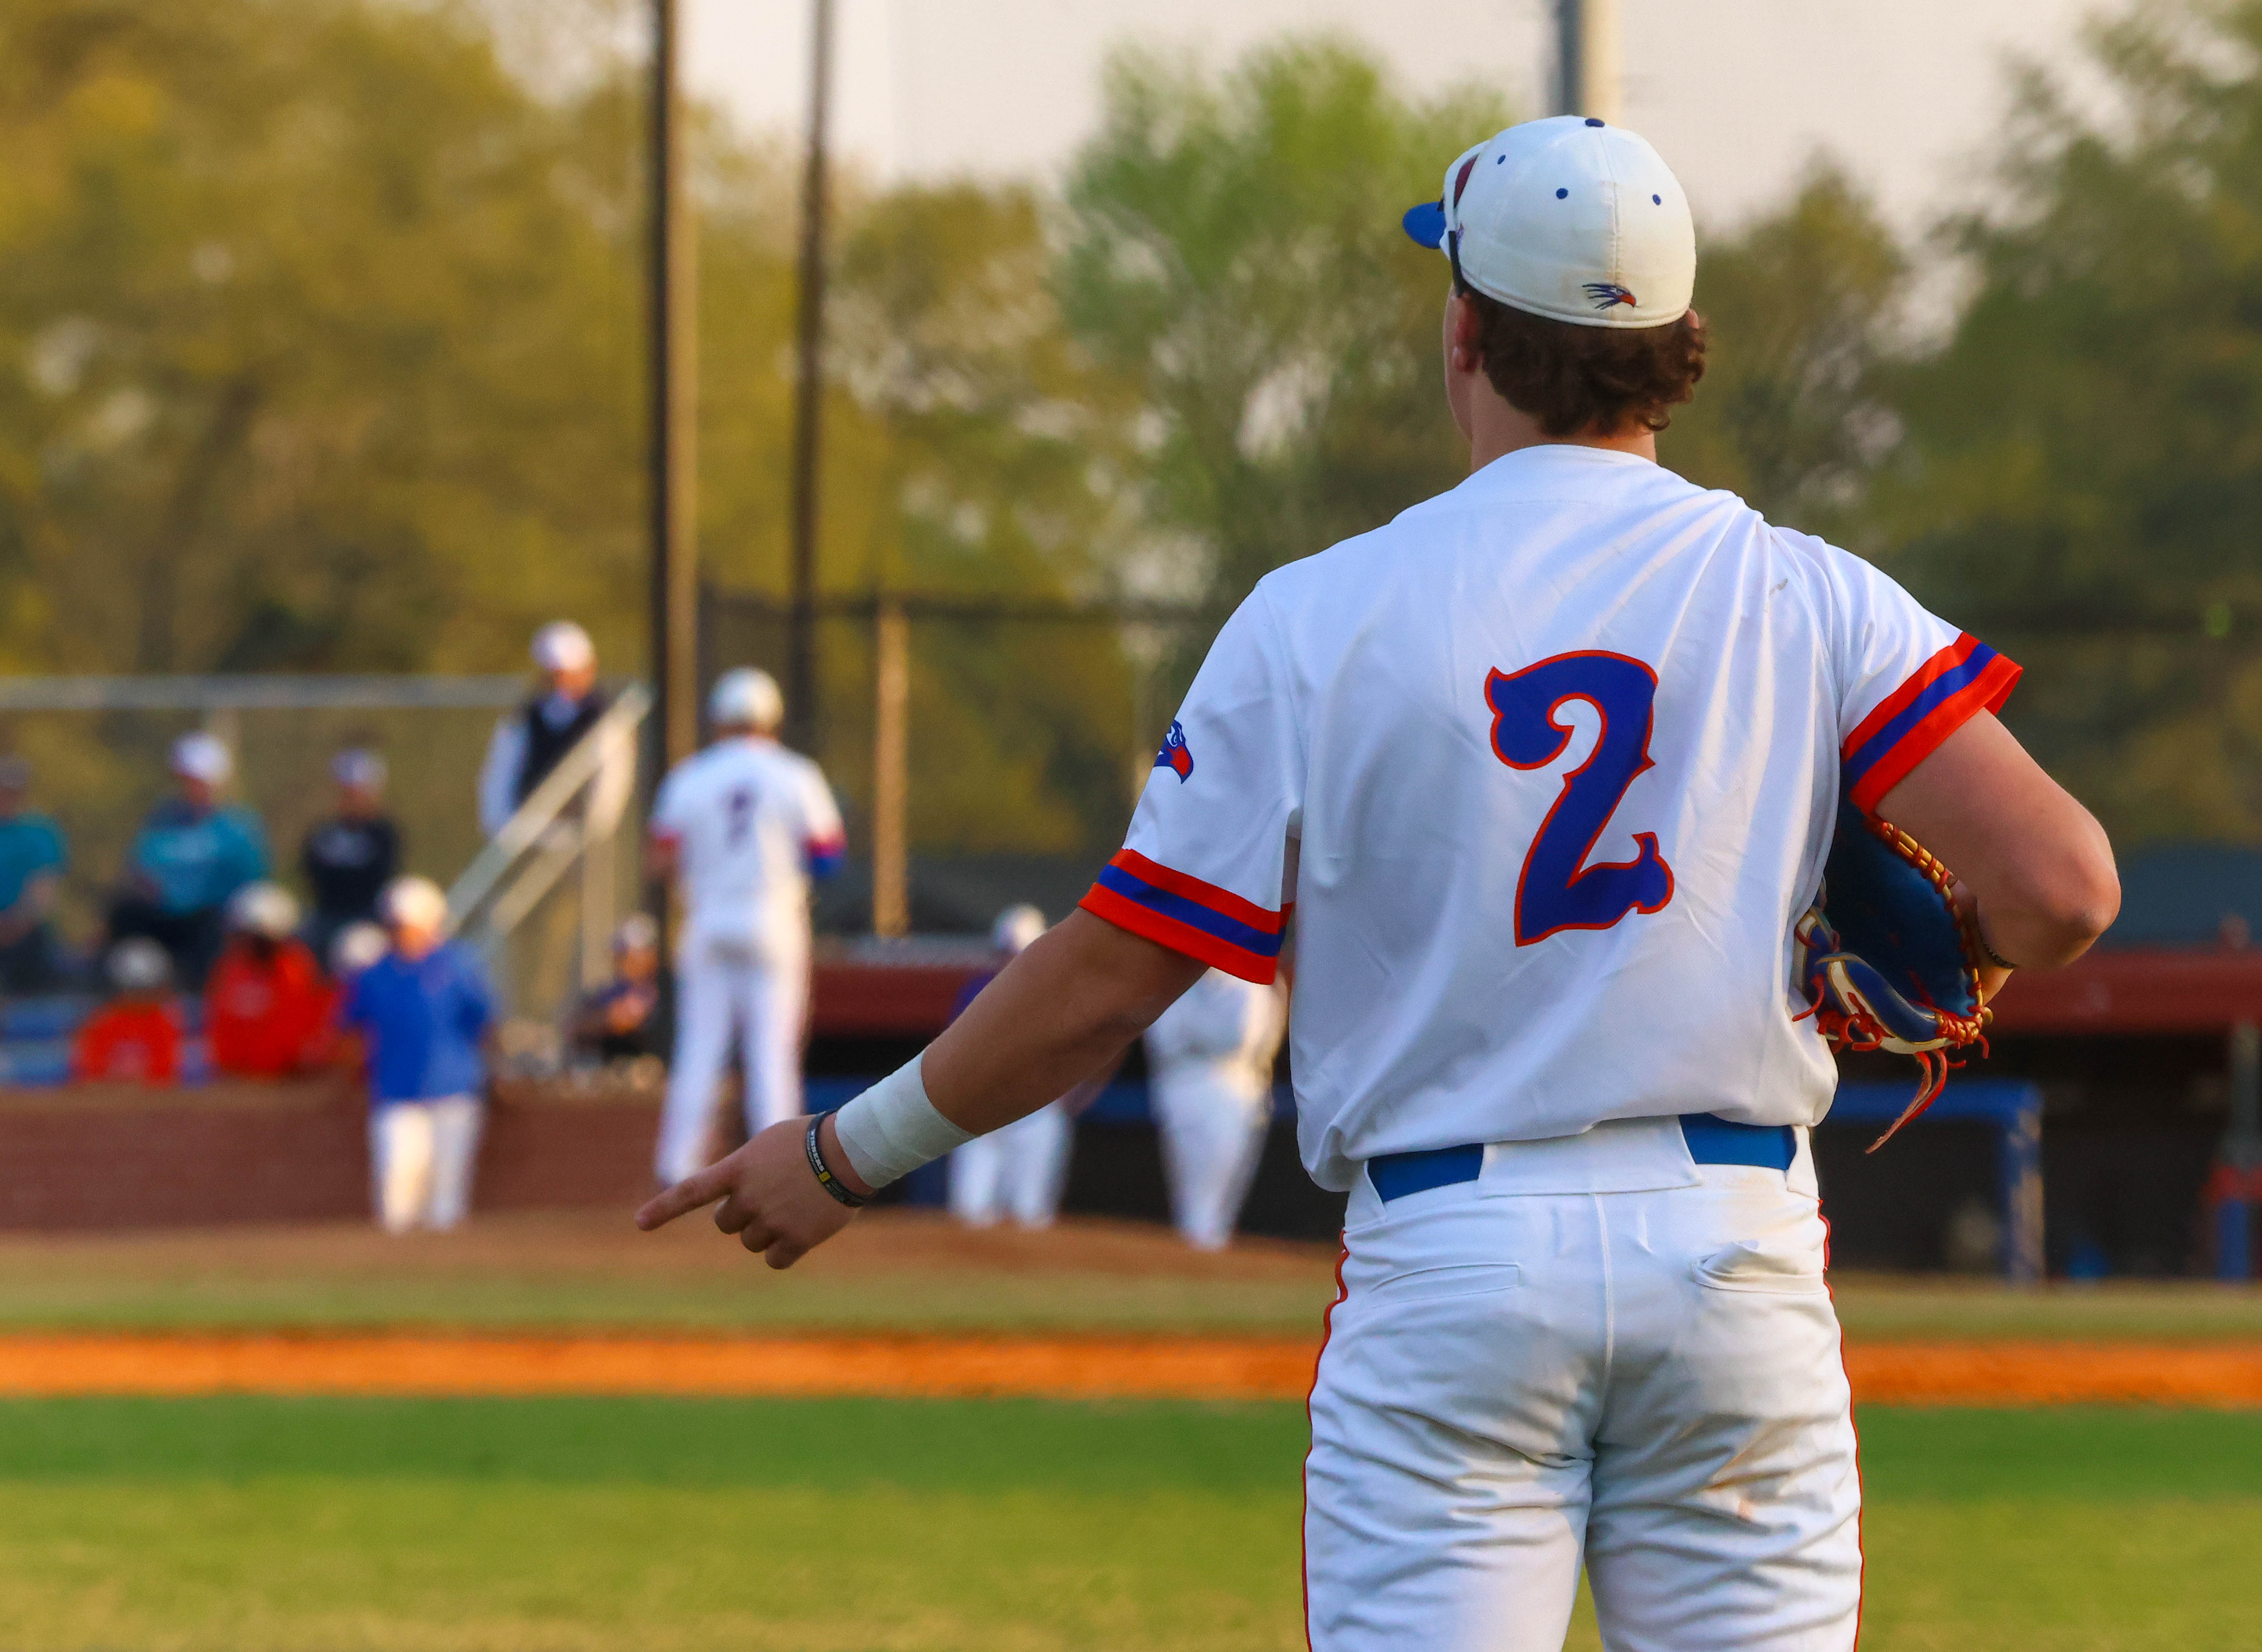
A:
[(1736, 93)]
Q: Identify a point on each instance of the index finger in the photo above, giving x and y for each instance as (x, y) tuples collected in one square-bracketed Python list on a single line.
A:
[(701, 1187)]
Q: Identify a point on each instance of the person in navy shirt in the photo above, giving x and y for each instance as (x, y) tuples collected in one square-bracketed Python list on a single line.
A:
[(193, 852), (349, 858), (423, 1011)]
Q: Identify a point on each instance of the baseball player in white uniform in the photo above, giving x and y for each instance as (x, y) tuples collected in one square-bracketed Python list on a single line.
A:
[(743, 826), (1017, 1173), (1546, 768), (1209, 1081)]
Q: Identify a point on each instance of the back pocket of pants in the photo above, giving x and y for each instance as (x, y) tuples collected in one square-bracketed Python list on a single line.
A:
[(1773, 1270), (1427, 1284)]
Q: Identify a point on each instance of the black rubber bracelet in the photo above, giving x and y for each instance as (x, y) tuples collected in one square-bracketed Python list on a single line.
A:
[(825, 1179), (1993, 956)]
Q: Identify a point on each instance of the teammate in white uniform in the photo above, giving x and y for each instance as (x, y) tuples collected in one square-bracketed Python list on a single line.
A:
[(1546, 768), (1209, 1080), (1020, 1171), (743, 826)]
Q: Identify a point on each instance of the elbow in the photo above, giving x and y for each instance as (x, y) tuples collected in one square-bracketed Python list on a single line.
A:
[(2068, 910)]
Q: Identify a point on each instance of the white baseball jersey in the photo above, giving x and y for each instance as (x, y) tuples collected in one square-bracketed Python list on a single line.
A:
[(1546, 768), (750, 820)]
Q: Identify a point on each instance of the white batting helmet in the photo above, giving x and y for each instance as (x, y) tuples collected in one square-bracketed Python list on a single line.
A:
[(1016, 927), (263, 909), (414, 903), (745, 698), (562, 646)]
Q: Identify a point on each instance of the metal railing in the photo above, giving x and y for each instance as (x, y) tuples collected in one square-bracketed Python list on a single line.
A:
[(571, 820)]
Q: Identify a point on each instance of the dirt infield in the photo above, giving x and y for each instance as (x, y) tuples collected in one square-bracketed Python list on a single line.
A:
[(1075, 1368)]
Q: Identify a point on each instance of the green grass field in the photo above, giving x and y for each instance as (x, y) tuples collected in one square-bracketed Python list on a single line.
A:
[(935, 1526), (590, 1270)]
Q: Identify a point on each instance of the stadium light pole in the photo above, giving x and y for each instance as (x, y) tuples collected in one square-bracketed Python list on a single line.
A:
[(671, 347), (1587, 68), (809, 393)]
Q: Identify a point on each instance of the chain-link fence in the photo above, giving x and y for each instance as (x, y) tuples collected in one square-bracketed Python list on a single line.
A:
[(1031, 726)]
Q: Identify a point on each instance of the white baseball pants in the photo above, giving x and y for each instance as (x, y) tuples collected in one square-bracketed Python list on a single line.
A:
[(724, 991), (420, 1156), (1646, 1382), (1213, 1134), (1017, 1171)]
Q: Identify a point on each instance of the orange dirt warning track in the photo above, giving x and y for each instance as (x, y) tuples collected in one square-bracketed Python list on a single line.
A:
[(1070, 1367)]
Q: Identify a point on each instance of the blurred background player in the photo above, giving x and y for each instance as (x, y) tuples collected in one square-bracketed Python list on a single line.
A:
[(528, 743), (32, 861), (1209, 1079), (267, 1005), (350, 857), (135, 1038), (742, 827), (1017, 1173), (422, 1012), (354, 947), (191, 853), (626, 1018)]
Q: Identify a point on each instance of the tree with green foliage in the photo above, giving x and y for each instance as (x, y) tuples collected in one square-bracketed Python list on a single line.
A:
[(309, 299), (2082, 471), (320, 349), (1234, 251), (1795, 413)]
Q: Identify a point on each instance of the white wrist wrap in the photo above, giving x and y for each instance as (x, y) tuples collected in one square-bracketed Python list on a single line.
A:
[(892, 1128)]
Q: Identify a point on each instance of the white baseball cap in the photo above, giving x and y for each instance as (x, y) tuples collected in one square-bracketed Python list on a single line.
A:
[(138, 965), (1570, 218), (263, 909), (1017, 928), (562, 646), (745, 698), (202, 756), (359, 766), (415, 902)]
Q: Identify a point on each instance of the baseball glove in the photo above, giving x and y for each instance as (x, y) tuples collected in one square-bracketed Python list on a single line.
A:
[(1885, 960)]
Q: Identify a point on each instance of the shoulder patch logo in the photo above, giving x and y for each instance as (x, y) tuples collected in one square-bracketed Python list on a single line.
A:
[(1174, 755), (1608, 294)]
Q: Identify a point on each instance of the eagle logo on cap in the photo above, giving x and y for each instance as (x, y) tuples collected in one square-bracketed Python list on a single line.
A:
[(1608, 294), (1174, 755)]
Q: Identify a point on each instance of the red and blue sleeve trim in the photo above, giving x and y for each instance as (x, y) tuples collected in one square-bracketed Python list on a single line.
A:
[(824, 856), (1964, 678), (1189, 916)]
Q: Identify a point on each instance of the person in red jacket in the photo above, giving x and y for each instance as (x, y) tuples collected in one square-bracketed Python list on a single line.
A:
[(136, 1038), (267, 1005)]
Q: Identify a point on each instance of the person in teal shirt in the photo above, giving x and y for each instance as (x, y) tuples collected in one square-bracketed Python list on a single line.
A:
[(32, 861), (191, 853)]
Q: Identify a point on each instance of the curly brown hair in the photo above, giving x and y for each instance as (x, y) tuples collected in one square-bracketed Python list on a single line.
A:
[(1575, 379)]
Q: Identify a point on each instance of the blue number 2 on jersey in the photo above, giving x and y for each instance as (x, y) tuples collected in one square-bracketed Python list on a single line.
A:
[(1559, 890)]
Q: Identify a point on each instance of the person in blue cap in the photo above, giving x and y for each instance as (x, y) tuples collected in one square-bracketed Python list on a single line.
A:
[(192, 853)]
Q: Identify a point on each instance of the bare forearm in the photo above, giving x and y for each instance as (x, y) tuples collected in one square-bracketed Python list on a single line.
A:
[(1060, 1011)]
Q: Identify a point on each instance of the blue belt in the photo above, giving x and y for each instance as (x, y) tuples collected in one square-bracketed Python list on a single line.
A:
[(1712, 1140)]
